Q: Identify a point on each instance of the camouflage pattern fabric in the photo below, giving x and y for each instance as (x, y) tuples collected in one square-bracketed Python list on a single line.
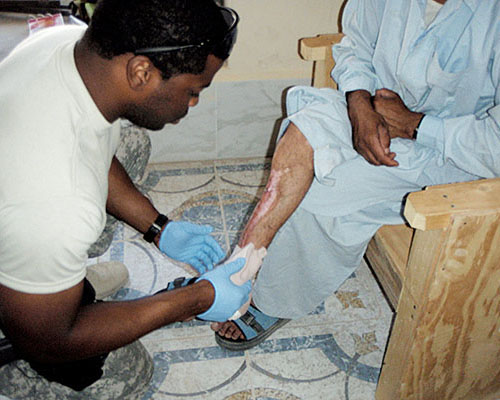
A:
[(133, 153), (127, 372)]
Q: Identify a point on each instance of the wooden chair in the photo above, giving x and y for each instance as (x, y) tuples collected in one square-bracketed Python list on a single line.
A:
[(441, 274)]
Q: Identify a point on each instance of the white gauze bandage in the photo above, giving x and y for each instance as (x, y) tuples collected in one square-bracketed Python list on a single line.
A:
[(253, 262)]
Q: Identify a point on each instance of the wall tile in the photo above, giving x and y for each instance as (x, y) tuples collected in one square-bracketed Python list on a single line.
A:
[(232, 120), (248, 117), (193, 138)]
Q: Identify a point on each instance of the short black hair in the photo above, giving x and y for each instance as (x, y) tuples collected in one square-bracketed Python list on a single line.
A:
[(122, 26)]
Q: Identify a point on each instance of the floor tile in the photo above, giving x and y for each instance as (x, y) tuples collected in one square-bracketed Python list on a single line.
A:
[(333, 353)]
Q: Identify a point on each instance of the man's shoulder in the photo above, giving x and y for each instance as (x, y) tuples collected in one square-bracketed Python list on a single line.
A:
[(50, 38)]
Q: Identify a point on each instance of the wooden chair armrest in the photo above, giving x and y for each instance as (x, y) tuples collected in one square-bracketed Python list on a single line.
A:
[(317, 48), (432, 208)]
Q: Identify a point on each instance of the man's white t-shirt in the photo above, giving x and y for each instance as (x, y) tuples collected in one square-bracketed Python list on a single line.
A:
[(55, 152)]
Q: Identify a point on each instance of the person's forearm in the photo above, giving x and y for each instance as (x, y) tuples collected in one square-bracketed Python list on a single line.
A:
[(127, 203), (101, 327)]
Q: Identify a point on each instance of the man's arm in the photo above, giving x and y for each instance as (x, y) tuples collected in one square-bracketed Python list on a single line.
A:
[(356, 77), (471, 142), (54, 328), (353, 56), (127, 203)]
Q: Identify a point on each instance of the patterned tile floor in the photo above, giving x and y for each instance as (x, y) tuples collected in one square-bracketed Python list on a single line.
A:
[(333, 353)]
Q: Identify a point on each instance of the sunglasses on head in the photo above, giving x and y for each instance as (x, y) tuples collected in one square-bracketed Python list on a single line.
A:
[(221, 47)]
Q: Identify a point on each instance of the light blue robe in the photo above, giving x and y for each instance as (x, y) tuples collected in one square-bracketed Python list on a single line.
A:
[(450, 71)]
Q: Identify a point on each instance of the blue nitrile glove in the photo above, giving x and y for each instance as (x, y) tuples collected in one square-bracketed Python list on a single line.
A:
[(228, 296), (192, 244)]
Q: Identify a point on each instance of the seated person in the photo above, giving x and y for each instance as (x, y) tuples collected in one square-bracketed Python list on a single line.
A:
[(418, 104)]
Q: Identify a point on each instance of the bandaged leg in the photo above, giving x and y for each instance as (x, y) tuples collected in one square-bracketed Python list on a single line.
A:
[(253, 262), (291, 176)]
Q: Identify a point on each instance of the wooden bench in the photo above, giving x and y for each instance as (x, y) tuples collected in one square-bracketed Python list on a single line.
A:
[(441, 275)]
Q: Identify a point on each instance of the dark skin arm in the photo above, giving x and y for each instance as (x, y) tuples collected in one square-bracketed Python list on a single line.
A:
[(375, 121), (127, 203), (55, 328)]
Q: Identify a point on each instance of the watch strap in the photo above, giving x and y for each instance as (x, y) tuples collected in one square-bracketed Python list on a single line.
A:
[(155, 228)]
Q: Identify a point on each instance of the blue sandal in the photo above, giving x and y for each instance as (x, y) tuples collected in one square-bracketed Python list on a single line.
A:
[(255, 326)]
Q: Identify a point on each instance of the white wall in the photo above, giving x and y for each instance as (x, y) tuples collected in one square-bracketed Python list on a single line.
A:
[(268, 34), (239, 114)]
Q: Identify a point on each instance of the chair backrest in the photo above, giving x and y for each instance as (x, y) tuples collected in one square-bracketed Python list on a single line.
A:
[(319, 50)]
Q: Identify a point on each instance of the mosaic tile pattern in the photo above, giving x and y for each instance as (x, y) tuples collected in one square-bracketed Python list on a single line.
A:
[(333, 353)]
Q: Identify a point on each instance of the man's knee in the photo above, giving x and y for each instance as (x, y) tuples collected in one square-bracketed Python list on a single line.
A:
[(292, 166)]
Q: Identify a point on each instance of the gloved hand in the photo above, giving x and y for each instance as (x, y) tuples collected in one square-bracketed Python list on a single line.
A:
[(192, 244), (228, 296)]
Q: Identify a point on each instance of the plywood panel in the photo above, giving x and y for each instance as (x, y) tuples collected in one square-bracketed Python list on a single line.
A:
[(456, 350), (421, 264)]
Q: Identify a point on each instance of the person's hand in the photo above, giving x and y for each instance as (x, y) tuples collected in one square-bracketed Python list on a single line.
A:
[(192, 244), (400, 120), (229, 297), (370, 133)]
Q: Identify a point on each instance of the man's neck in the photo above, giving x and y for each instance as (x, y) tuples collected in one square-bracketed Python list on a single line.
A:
[(95, 72)]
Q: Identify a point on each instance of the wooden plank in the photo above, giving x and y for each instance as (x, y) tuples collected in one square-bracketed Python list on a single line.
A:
[(319, 50), (424, 252), (316, 48), (432, 208), (456, 348), (321, 73), (387, 255)]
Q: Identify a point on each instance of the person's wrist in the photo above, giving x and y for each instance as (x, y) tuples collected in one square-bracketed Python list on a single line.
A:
[(358, 94), (206, 295), (156, 228), (418, 121), (358, 103)]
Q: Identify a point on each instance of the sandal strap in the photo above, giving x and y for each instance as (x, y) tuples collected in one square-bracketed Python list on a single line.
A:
[(250, 320), (178, 283), (255, 323)]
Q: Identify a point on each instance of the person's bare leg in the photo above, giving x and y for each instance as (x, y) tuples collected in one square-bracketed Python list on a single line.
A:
[(292, 172)]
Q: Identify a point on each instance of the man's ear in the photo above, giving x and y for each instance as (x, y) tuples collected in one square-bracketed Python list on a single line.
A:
[(140, 72)]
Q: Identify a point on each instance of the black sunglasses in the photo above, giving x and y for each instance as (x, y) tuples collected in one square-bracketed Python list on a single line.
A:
[(220, 47)]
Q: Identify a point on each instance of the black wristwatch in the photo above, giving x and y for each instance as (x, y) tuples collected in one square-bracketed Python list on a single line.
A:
[(155, 228)]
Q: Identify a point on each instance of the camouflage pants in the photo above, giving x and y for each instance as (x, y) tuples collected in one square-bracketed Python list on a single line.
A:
[(128, 370), (133, 153)]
